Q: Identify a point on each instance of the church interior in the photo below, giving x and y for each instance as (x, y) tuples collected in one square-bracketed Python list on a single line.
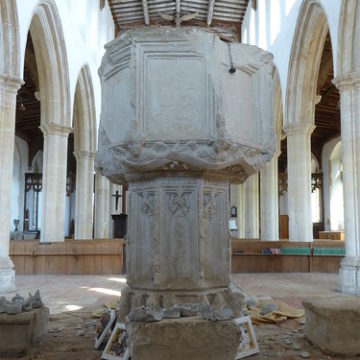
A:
[(187, 159)]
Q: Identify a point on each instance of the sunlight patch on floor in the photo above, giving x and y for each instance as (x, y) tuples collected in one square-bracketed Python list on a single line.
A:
[(73, 307), (106, 291), (120, 280)]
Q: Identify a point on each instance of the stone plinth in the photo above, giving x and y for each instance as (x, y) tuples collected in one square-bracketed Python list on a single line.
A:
[(187, 338), (333, 324), (7, 275), (349, 275), (20, 332)]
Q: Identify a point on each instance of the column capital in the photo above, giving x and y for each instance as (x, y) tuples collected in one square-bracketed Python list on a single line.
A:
[(277, 153), (11, 83), (55, 129), (84, 155), (347, 80), (297, 129)]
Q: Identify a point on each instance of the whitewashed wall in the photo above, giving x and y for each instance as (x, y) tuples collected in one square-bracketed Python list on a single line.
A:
[(272, 27), (326, 168), (336, 190)]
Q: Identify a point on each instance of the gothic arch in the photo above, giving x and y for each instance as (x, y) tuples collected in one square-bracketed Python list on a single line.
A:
[(306, 52), (47, 35), (9, 39), (348, 60), (37, 162), (84, 113), (53, 74)]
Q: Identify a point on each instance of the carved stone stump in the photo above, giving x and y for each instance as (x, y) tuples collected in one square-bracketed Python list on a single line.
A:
[(178, 126)]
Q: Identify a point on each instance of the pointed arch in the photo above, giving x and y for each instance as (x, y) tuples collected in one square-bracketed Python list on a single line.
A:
[(37, 162), (84, 113), (53, 74), (305, 58), (9, 39), (50, 52), (348, 60)]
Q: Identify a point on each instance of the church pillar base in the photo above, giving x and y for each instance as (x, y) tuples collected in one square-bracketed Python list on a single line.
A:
[(349, 275), (7, 276), (184, 338)]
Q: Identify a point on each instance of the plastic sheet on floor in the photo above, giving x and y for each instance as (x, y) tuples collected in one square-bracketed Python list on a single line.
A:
[(283, 312)]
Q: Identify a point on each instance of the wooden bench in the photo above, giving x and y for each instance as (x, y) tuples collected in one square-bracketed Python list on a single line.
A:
[(248, 255), (80, 257)]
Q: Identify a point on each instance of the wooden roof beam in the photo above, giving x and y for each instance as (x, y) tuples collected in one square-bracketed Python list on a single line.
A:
[(177, 12), (146, 12), (210, 12)]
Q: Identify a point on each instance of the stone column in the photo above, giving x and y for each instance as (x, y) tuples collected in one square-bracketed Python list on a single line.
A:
[(235, 200), (349, 88), (54, 182), (8, 90), (269, 201), (251, 190), (84, 194), (241, 211), (299, 181), (102, 206)]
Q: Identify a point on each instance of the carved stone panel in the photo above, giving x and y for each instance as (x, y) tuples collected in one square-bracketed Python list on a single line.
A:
[(183, 109), (142, 237), (214, 236), (118, 95), (180, 236)]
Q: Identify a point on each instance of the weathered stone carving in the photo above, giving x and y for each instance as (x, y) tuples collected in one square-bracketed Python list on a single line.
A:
[(178, 127), (179, 107), (19, 304)]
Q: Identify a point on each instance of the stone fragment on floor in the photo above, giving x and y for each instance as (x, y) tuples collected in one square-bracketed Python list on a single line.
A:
[(333, 323)]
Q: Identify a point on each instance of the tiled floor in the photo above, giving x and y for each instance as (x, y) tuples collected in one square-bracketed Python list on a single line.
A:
[(289, 287), (63, 293)]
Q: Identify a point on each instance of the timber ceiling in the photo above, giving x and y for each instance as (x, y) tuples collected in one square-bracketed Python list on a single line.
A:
[(220, 14), (327, 111)]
